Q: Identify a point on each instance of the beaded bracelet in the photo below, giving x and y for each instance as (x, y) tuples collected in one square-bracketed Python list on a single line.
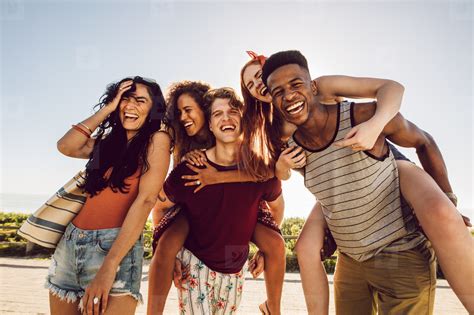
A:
[(77, 128)]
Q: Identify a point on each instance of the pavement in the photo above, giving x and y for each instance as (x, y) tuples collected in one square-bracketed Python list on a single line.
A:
[(22, 292)]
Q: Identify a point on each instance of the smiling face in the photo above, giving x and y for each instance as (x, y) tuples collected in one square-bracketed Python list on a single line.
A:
[(134, 109), (225, 121), (292, 92), (252, 79), (191, 115)]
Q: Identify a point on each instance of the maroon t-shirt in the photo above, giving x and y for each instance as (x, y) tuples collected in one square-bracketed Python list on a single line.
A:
[(221, 217)]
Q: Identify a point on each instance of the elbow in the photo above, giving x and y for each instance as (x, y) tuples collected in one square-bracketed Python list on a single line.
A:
[(426, 143), (63, 148), (397, 85)]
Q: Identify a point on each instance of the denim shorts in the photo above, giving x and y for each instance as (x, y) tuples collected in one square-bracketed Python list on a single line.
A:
[(79, 255)]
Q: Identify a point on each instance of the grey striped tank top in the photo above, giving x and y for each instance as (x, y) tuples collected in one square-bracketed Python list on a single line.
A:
[(360, 196)]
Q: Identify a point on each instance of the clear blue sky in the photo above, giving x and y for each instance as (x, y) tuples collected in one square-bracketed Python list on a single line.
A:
[(58, 56)]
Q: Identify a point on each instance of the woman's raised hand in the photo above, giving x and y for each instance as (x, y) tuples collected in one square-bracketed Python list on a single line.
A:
[(124, 87)]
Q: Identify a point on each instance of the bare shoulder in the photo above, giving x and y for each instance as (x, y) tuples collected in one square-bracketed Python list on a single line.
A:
[(160, 140), (363, 111)]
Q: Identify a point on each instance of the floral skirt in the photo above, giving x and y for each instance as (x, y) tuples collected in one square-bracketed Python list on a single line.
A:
[(207, 291)]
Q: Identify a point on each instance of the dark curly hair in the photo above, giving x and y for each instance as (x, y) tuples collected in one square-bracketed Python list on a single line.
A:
[(113, 150), (182, 142)]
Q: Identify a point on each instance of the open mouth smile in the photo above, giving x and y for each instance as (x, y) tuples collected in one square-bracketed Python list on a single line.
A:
[(188, 124), (228, 128), (131, 116), (295, 108)]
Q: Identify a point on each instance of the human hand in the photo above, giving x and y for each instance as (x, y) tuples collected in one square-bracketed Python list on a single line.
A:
[(124, 87), (361, 137), (292, 157), (180, 274), (195, 157), (96, 294), (202, 178), (257, 264)]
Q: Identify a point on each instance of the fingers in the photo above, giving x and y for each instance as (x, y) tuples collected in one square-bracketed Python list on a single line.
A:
[(190, 177), (124, 86), (96, 304), (287, 150), (193, 168), (345, 142), (105, 300), (199, 187), (295, 152)]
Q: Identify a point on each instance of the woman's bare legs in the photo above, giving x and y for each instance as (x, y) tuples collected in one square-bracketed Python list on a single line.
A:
[(312, 272), (161, 268), (117, 305), (272, 245), (442, 223), (61, 307)]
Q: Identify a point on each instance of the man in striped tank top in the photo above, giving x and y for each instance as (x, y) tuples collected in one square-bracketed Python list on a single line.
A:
[(385, 263)]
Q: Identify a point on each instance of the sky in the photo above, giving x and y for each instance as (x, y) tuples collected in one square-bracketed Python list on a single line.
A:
[(56, 58)]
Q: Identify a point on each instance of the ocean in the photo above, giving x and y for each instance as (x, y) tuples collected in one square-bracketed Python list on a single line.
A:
[(22, 203)]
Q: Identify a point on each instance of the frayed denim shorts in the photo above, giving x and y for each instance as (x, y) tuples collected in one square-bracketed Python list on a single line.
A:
[(79, 255)]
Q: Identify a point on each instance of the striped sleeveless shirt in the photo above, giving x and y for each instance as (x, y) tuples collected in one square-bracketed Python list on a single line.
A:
[(360, 196)]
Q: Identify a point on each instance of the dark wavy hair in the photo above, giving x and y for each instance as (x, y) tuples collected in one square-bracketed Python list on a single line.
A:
[(111, 148), (261, 121), (182, 142)]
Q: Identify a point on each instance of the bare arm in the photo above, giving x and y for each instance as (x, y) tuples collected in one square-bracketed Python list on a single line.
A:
[(277, 208), (150, 185), (162, 204), (406, 134), (210, 176), (77, 145), (388, 94)]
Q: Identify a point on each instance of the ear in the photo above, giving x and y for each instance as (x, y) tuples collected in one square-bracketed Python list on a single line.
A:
[(210, 126), (314, 87)]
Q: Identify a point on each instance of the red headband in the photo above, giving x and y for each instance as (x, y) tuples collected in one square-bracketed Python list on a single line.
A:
[(261, 58)]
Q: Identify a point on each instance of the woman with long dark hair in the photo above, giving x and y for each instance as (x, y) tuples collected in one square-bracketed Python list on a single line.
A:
[(97, 264)]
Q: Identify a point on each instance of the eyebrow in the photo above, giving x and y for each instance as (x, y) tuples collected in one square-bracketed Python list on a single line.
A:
[(141, 98), (255, 76), (291, 81)]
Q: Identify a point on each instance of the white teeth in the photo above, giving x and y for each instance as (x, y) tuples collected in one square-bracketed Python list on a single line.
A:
[(224, 128), (186, 125), (295, 108), (129, 115), (263, 91)]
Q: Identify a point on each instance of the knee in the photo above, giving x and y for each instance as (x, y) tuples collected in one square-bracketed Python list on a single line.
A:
[(165, 250), (273, 245), (307, 249), (438, 209)]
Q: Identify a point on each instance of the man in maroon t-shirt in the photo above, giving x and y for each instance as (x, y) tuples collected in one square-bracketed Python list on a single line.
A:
[(221, 217)]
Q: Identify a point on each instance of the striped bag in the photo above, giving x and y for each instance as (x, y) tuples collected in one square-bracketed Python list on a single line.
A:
[(47, 224)]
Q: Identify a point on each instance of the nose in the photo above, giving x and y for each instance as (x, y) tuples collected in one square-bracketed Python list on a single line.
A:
[(289, 95), (183, 116), (130, 102)]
